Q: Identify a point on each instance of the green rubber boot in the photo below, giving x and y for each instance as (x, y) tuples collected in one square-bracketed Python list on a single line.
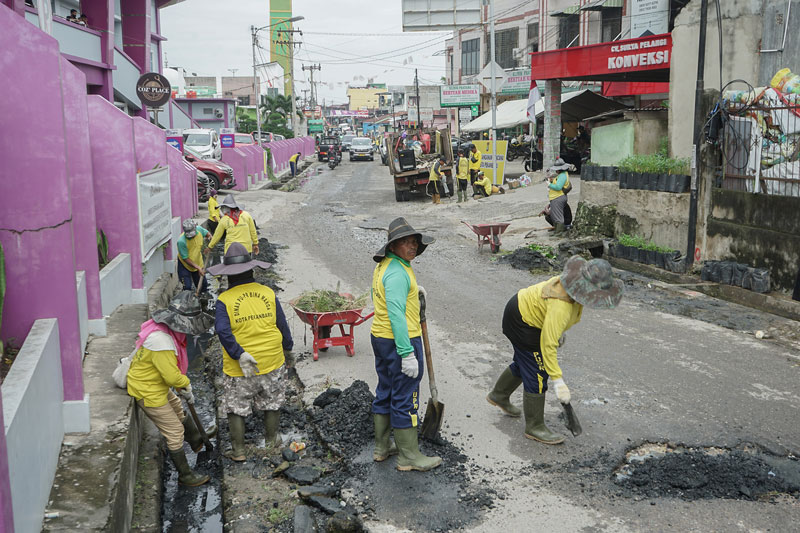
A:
[(192, 435), (560, 229), (533, 404), (409, 457), (236, 429), (500, 396), (460, 196), (272, 423), (384, 447), (186, 476)]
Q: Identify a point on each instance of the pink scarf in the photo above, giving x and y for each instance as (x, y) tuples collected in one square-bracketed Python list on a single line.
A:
[(179, 339)]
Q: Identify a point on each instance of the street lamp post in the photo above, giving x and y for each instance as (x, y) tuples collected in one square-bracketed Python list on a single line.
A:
[(254, 32)]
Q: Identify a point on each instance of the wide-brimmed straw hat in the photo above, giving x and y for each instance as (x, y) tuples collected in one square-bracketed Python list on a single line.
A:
[(230, 201), (236, 260), (398, 229), (591, 283), (184, 315)]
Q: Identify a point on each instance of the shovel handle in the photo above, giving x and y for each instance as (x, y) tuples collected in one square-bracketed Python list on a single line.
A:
[(200, 427), (429, 363)]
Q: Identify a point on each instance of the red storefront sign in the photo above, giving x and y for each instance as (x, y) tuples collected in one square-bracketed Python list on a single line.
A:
[(644, 59)]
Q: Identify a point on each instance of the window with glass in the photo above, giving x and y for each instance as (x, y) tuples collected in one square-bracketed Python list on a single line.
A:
[(612, 23), (505, 41), (533, 37), (568, 29), (470, 57)]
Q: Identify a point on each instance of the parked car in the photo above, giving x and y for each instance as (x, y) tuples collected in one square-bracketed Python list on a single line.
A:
[(266, 136), (278, 137), (220, 175), (361, 148), (203, 185), (203, 141), (384, 151), (243, 139), (346, 140)]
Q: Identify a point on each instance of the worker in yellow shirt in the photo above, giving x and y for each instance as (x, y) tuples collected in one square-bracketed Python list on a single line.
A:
[(535, 320), (462, 175), (435, 179), (483, 187), (474, 163), (213, 210), (237, 226), (160, 362), (293, 163)]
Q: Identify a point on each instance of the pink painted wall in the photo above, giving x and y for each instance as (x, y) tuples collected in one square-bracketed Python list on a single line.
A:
[(37, 233), (115, 195), (79, 168), (238, 161), (183, 184), (151, 145), (283, 150)]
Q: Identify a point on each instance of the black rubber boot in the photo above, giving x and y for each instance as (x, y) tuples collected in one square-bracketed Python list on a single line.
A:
[(186, 476), (535, 429), (500, 396), (236, 430)]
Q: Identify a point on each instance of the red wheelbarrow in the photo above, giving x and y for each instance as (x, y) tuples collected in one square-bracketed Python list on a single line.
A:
[(322, 323), (488, 234)]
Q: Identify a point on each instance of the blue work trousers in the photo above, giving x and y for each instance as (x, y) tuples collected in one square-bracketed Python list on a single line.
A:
[(530, 367), (293, 168), (396, 395), (187, 278)]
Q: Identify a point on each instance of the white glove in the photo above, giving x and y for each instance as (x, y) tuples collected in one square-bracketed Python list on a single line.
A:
[(248, 365), (410, 366), (562, 391), (186, 394)]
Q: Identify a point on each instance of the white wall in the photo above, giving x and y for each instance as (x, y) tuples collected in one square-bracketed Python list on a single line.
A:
[(83, 308), (115, 283), (32, 411)]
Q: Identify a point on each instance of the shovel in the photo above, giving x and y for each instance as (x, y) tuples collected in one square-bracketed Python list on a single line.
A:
[(434, 413), (572, 420), (206, 440)]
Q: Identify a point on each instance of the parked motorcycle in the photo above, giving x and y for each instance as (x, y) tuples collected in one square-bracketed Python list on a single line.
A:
[(517, 149)]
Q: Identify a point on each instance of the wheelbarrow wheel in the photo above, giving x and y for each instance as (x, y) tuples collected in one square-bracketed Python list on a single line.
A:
[(324, 333)]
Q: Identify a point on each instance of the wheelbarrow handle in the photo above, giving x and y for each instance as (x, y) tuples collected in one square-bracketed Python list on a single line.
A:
[(364, 318)]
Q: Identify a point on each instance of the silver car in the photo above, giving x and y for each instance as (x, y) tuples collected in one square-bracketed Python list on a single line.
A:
[(361, 148)]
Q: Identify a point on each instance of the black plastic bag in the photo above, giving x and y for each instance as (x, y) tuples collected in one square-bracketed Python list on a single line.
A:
[(739, 270), (760, 281), (726, 272)]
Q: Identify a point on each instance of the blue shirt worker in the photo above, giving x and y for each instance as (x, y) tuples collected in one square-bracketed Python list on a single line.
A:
[(397, 344), (535, 320), (191, 268), (293, 163), (255, 341)]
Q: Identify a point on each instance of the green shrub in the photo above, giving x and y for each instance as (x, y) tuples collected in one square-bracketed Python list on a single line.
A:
[(546, 251), (639, 242), (657, 163)]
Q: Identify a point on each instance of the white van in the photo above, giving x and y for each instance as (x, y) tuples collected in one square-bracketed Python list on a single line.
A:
[(204, 141)]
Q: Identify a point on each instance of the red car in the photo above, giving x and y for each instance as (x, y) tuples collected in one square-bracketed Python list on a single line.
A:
[(220, 175), (243, 139)]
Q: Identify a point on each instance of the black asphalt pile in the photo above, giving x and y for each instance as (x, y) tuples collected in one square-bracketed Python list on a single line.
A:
[(268, 253), (345, 424), (526, 259), (699, 475)]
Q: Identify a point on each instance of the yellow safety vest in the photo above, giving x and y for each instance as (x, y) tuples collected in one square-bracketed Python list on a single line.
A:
[(475, 165), (252, 313), (435, 174), (463, 168), (381, 326), (195, 247)]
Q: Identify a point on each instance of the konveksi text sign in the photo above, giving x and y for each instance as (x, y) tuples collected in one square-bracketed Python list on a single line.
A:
[(459, 95)]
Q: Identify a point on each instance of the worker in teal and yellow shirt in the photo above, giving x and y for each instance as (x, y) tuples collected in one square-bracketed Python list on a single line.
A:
[(191, 267), (397, 345)]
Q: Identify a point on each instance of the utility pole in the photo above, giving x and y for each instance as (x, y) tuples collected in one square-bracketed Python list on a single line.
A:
[(312, 68), (698, 131), (256, 85), (305, 98), (416, 84), (494, 93), (291, 44)]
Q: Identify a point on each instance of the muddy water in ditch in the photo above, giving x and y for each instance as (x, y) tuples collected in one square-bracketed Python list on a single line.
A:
[(195, 509)]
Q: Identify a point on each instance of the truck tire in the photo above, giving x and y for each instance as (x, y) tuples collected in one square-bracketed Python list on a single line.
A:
[(398, 196)]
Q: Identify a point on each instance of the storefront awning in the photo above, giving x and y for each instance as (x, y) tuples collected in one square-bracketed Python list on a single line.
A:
[(597, 5), (639, 59), (575, 107), (571, 10)]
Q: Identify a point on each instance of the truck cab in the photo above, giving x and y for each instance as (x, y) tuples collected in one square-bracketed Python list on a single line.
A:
[(410, 156)]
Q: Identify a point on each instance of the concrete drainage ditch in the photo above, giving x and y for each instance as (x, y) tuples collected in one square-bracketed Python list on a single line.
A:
[(656, 470)]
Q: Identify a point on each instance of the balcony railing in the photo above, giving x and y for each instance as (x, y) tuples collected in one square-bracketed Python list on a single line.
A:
[(73, 39)]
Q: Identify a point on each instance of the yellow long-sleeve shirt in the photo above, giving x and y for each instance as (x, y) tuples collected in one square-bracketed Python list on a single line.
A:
[(213, 209), (486, 183), (463, 168), (152, 374), (475, 160), (243, 232), (547, 306)]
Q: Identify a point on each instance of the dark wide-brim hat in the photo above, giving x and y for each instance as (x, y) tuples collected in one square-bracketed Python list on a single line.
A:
[(184, 315), (591, 283), (230, 201), (560, 165), (236, 260), (398, 229)]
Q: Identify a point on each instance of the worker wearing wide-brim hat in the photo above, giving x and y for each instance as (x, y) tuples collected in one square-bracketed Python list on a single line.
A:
[(535, 320), (160, 363), (397, 345), (558, 182), (254, 335), (237, 225)]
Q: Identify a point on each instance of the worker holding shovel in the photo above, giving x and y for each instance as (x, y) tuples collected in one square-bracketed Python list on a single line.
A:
[(160, 362), (397, 345), (237, 225), (535, 320)]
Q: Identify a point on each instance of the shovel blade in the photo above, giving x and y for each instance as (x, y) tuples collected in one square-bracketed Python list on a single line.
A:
[(432, 423), (572, 420)]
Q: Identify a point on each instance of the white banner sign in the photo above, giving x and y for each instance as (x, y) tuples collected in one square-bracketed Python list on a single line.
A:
[(518, 82), (427, 114), (459, 95), (649, 17), (412, 114), (465, 115), (155, 210)]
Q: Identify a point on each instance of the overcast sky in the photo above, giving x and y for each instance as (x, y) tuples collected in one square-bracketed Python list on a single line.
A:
[(354, 41)]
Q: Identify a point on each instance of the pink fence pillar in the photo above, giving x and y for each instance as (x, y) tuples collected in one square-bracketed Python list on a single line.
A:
[(36, 231), (237, 160), (6, 510)]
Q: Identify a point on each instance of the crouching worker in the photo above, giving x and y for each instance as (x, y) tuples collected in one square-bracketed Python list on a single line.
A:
[(254, 335), (397, 345), (160, 362), (483, 187), (534, 321)]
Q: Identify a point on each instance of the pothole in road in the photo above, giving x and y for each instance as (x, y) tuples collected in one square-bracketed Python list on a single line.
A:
[(655, 470)]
